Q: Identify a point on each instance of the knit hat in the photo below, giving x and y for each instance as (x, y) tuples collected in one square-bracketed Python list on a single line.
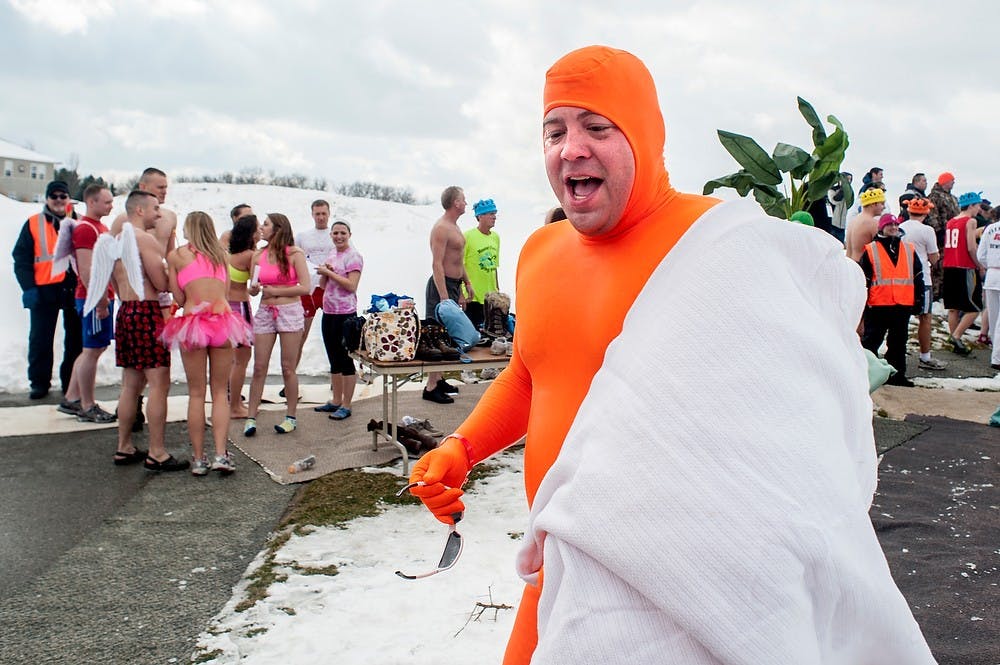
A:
[(873, 195), (970, 199), (484, 206), (802, 217), (56, 186), (945, 177), (887, 219), (918, 206)]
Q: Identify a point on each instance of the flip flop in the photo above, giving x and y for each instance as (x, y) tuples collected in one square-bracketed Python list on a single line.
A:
[(134, 457)]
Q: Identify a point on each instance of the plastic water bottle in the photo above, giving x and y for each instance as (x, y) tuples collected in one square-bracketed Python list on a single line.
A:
[(302, 464)]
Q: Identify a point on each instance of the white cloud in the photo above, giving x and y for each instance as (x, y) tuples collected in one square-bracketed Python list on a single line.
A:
[(64, 16)]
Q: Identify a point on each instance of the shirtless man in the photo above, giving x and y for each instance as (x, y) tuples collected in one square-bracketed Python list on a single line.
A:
[(447, 276), (861, 229), (154, 181), (138, 349)]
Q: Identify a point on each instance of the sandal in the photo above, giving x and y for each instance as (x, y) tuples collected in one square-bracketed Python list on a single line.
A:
[(169, 464), (134, 457), (984, 339)]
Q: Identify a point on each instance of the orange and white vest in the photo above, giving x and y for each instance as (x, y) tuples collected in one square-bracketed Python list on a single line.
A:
[(45, 235), (891, 284)]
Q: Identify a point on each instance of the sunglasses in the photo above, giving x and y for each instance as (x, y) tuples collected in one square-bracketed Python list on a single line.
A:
[(59, 197), (452, 546)]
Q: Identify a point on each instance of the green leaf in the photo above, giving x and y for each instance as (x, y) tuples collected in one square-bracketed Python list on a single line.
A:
[(809, 113), (818, 187), (790, 157), (741, 181), (771, 200), (751, 157)]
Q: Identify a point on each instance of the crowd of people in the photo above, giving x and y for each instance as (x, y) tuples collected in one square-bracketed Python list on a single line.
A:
[(133, 284), (939, 247)]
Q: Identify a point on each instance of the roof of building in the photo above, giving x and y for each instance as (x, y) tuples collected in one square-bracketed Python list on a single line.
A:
[(14, 151)]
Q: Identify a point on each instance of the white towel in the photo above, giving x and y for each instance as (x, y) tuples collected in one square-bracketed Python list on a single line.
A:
[(710, 502)]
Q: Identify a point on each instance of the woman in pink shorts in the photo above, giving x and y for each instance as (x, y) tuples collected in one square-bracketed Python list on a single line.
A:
[(280, 275), (205, 334)]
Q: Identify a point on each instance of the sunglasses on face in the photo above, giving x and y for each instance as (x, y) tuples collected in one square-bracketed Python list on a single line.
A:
[(59, 197), (452, 547)]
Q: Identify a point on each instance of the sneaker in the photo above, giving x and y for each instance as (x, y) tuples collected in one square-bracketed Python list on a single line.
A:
[(326, 408), (498, 347), (70, 408), (340, 414), (468, 376), (286, 426), (200, 467), (250, 427), (489, 373), (959, 347), (932, 363), (96, 414), (437, 396), (224, 464), (445, 387)]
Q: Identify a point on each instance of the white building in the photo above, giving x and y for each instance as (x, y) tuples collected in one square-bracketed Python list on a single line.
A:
[(25, 172)]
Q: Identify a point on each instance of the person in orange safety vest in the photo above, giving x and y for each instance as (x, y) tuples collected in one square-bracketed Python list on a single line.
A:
[(895, 281), (47, 291)]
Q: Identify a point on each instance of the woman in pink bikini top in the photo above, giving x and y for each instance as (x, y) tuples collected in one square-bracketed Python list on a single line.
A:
[(206, 334)]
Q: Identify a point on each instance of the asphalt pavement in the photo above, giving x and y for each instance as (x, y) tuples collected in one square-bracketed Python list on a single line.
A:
[(106, 564)]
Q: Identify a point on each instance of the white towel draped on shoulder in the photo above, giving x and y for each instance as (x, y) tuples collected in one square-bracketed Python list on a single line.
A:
[(709, 504)]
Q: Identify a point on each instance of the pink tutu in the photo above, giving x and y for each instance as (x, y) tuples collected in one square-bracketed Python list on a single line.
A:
[(202, 328)]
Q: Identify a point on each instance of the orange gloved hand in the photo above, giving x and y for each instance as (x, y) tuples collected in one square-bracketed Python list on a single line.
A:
[(442, 472)]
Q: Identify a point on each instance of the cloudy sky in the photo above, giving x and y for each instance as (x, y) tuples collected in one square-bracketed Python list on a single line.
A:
[(424, 94)]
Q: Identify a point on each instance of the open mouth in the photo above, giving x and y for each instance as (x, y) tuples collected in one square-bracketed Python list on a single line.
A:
[(582, 187)]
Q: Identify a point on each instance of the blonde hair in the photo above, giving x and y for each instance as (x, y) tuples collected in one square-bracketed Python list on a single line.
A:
[(200, 233)]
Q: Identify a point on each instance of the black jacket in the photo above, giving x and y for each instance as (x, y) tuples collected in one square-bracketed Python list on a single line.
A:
[(891, 245), (24, 267)]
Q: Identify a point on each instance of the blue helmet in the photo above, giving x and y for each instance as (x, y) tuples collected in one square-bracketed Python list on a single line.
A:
[(970, 199), (484, 206)]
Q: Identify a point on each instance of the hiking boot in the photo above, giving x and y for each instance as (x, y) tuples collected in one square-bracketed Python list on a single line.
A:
[(96, 414), (959, 347), (423, 426), (437, 396), (70, 408), (200, 467), (445, 387), (224, 464), (424, 349), (932, 363)]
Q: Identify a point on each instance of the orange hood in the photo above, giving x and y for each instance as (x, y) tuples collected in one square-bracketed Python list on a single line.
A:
[(616, 85)]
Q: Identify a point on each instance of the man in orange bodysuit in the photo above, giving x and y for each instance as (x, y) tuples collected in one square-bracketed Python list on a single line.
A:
[(642, 257)]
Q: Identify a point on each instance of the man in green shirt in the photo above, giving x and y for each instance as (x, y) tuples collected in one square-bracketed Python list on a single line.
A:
[(482, 259)]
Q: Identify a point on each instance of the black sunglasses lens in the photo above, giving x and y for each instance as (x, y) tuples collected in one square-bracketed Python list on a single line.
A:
[(451, 550)]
